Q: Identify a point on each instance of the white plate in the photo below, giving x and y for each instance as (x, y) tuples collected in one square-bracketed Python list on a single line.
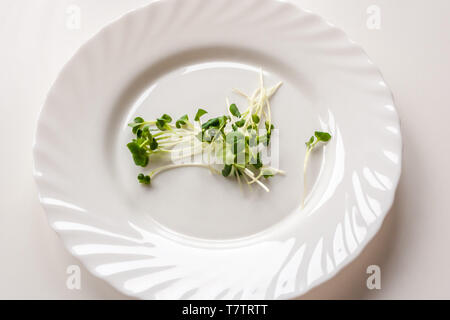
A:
[(192, 234)]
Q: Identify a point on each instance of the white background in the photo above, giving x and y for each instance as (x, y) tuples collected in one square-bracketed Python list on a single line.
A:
[(412, 49)]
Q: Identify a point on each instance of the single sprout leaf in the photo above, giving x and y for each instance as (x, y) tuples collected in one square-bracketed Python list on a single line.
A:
[(161, 124), (153, 144), (199, 114), (235, 111), (322, 136), (269, 126), (255, 118), (144, 179), (240, 123), (215, 122), (182, 121), (310, 142), (223, 121), (167, 118), (226, 170), (140, 155)]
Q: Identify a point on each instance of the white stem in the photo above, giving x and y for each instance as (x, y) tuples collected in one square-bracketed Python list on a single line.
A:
[(228, 107), (305, 165), (249, 172), (282, 172), (239, 92), (262, 185)]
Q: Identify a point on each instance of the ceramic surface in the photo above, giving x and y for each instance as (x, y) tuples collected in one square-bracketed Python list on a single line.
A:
[(174, 56)]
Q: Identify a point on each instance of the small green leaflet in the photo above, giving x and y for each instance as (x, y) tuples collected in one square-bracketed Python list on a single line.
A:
[(199, 114), (167, 118), (310, 142), (235, 111), (226, 170), (144, 179), (322, 136), (140, 156), (182, 121)]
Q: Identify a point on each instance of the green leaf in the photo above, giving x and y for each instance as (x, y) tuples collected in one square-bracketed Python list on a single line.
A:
[(138, 120), (200, 113), (182, 121), (235, 111), (310, 142), (144, 179), (322, 136), (139, 133), (226, 170), (255, 118), (161, 124), (153, 144), (135, 129), (214, 122), (240, 123), (223, 121), (140, 155), (269, 126), (167, 118), (146, 133)]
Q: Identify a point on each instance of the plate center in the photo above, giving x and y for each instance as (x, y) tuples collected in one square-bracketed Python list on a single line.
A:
[(194, 202)]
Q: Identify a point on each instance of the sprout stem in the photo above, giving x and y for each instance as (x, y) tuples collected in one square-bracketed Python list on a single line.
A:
[(305, 165)]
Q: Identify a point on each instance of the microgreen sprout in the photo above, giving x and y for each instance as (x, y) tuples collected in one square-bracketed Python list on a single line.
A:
[(318, 137), (144, 179), (234, 139)]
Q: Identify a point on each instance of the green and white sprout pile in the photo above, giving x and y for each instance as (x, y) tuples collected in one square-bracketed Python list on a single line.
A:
[(235, 141)]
